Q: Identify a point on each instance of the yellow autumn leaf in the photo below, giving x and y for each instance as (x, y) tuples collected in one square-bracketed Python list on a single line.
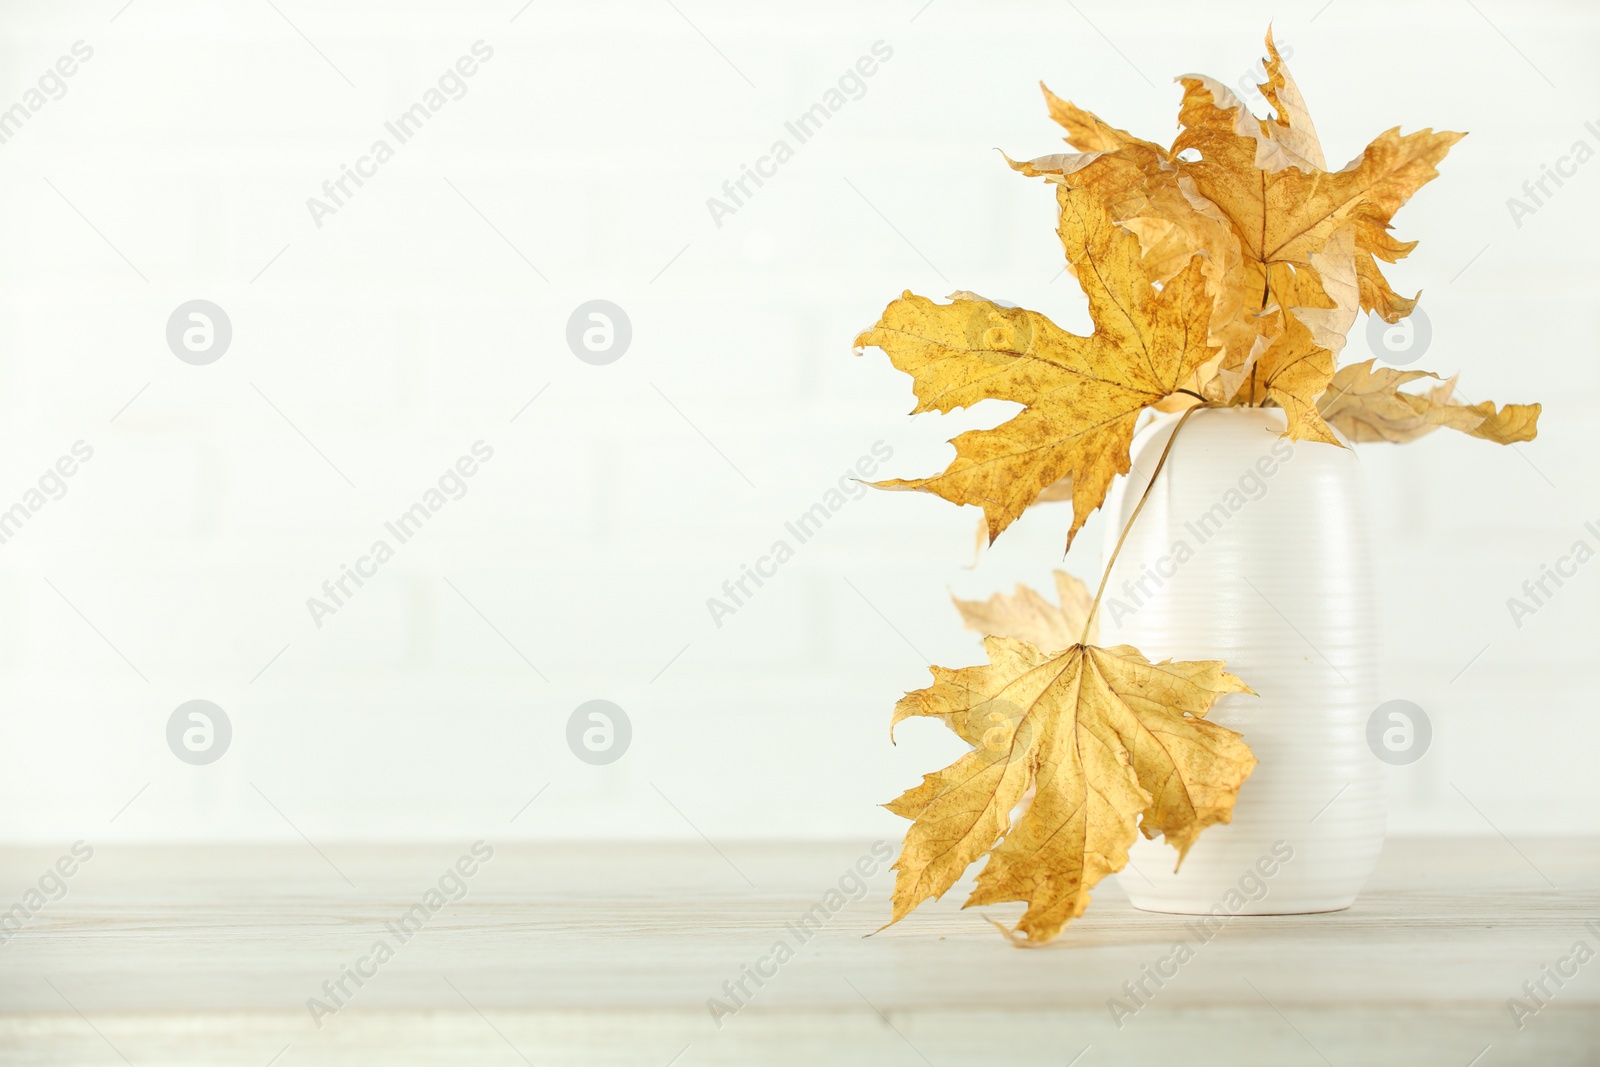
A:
[(1087, 132), (1027, 616), (1267, 178), (1081, 395), (1281, 237), (1057, 492), (1267, 181), (1143, 193), (1147, 191), (1111, 745), (1365, 403), (1288, 139), (1292, 373)]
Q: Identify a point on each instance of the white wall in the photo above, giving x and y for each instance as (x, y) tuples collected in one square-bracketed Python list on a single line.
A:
[(406, 328)]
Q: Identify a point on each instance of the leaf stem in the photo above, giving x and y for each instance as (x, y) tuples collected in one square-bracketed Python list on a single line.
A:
[(1106, 577)]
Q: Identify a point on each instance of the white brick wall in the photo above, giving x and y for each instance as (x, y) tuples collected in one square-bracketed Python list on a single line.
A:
[(405, 329)]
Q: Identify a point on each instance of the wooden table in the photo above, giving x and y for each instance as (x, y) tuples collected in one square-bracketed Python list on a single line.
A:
[(608, 954)]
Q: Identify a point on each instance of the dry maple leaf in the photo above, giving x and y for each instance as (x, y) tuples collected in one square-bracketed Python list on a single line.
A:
[(1290, 140), (1268, 178), (1081, 395), (1027, 616), (1111, 744), (1057, 492), (1365, 404), (1281, 235), (1292, 372), (1140, 186)]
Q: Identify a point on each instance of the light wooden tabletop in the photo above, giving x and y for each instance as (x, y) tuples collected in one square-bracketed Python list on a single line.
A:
[(609, 954)]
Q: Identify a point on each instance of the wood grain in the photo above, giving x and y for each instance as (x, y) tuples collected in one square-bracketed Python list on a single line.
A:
[(607, 954)]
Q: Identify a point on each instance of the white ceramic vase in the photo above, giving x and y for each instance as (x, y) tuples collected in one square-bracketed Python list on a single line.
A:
[(1255, 550)]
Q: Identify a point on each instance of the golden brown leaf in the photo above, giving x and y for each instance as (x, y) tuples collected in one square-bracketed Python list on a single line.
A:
[(1337, 280), (1087, 132), (1285, 206), (1112, 746), (1292, 373), (1056, 492), (1081, 395), (1027, 616), (1145, 192), (1280, 236), (1290, 139), (1365, 403)]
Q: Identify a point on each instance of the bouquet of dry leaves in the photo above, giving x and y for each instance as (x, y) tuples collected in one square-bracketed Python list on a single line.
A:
[(1225, 270)]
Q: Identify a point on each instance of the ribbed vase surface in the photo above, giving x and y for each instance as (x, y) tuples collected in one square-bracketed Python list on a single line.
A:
[(1255, 550)]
